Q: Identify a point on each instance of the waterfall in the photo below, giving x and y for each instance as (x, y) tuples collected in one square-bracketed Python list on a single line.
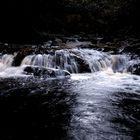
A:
[(6, 61), (119, 63), (96, 60), (72, 59), (62, 59)]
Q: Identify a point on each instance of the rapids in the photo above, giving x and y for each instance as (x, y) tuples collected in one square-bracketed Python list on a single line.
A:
[(71, 60)]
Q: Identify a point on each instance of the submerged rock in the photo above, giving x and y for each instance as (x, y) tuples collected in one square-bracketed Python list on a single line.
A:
[(45, 72)]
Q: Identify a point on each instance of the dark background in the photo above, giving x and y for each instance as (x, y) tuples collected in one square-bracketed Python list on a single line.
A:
[(28, 21)]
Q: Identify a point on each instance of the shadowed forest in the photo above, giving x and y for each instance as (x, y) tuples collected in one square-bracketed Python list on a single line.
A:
[(35, 21)]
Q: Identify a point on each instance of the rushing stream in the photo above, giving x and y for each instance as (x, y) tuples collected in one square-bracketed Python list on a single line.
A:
[(98, 103)]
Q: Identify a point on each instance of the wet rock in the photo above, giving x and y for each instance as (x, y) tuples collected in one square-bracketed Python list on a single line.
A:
[(45, 72), (134, 48), (130, 45), (83, 66), (134, 69), (108, 47), (57, 42), (79, 44), (48, 44), (20, 55)]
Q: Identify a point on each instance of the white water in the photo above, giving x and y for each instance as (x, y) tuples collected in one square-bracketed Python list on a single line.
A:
[(5, 61), (6, 68), (109, 81), (62, 59), (69, 59), (99, 97)]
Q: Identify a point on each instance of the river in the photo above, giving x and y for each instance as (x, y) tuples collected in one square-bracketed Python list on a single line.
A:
[(102, 105)]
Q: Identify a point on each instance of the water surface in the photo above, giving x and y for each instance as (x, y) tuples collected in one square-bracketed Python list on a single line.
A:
[(97, 106)]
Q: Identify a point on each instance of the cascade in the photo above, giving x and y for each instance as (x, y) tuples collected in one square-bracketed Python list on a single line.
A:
[(62, 59), (71, 60), (6, 61)]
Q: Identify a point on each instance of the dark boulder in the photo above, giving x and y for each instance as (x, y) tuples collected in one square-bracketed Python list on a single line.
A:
[(130, 45), (134, 48), (45, 72), (134, 69), (20, 55), (82, 65)]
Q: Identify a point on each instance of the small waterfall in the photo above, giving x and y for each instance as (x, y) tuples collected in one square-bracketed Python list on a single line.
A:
[(6, 61), (72, 60), (62, 59), (96, 60), (119, 63)]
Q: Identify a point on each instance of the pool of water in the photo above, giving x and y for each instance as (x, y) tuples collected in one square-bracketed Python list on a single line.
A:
[(97, 106)]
